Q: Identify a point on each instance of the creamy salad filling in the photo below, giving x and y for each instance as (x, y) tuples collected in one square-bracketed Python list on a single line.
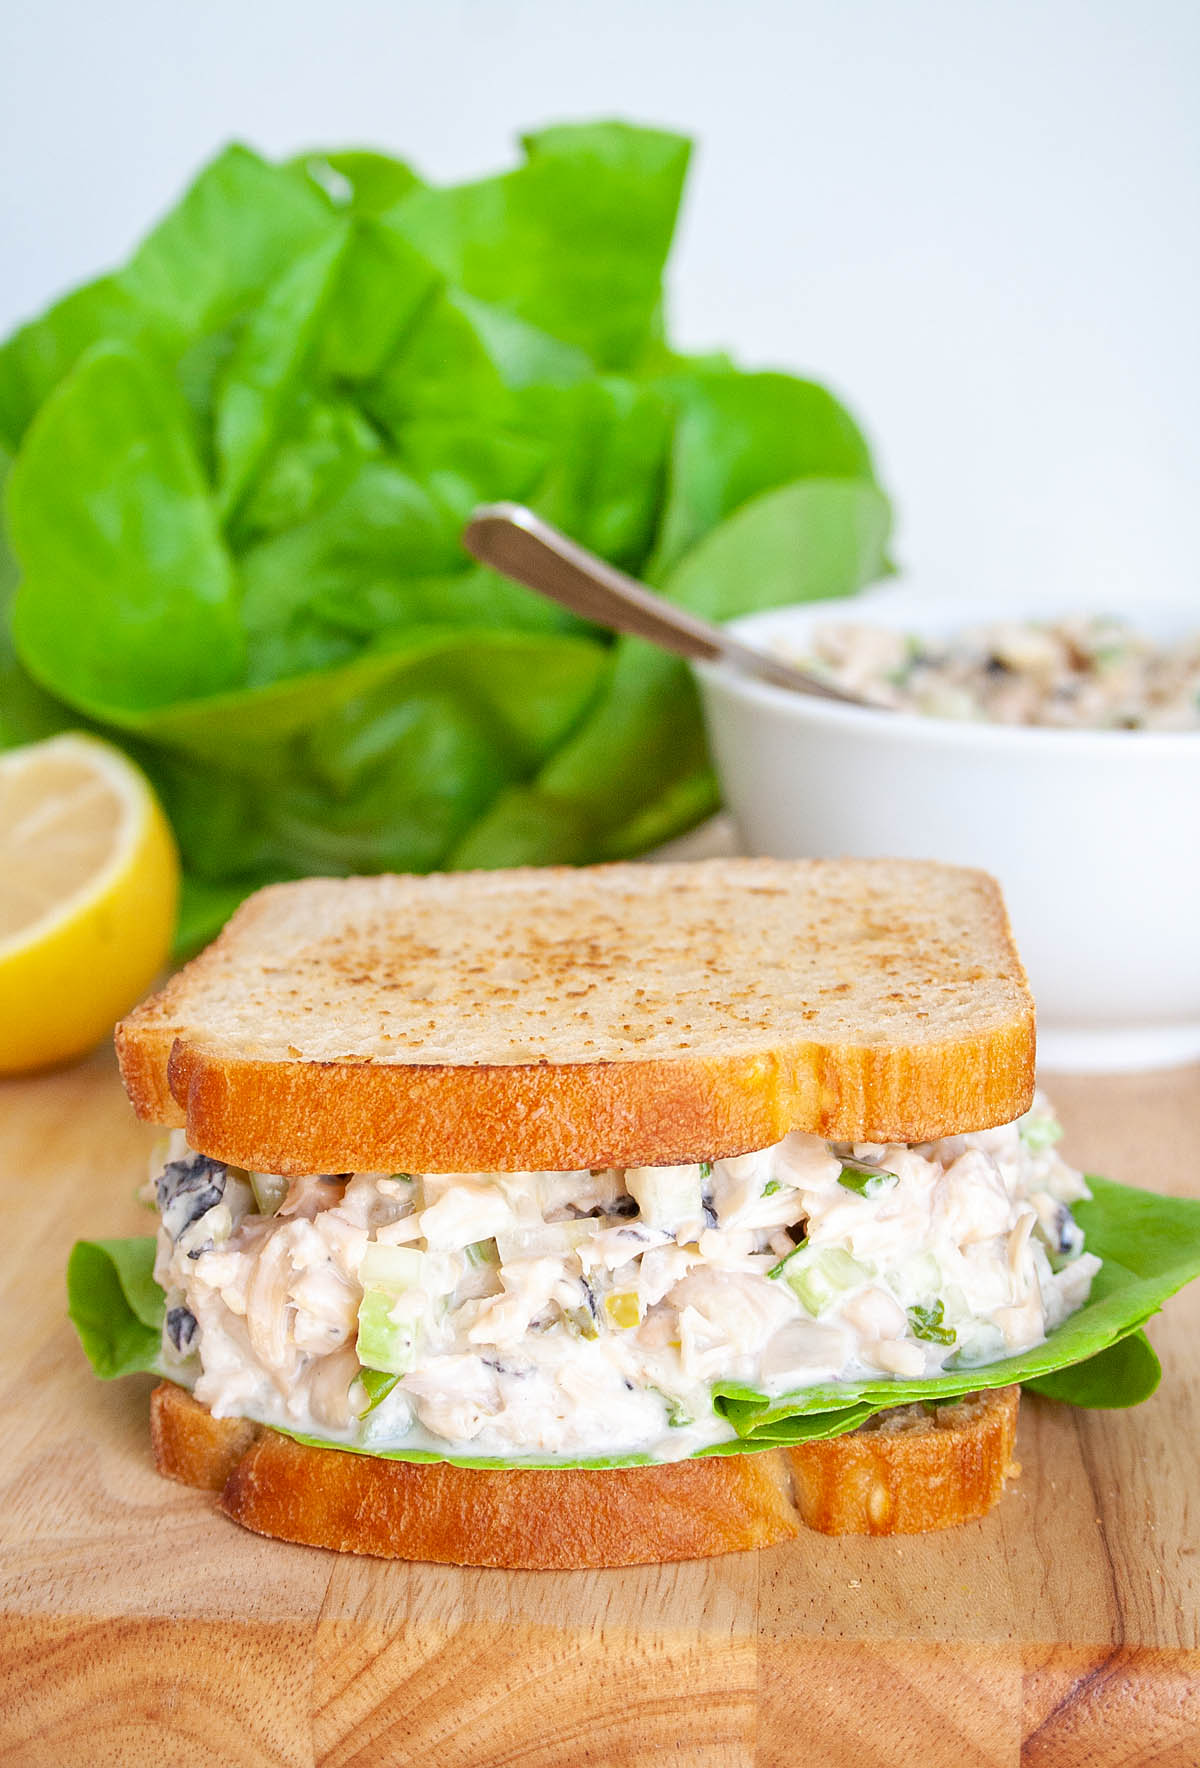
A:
[(1086, 671), (590, 1313)]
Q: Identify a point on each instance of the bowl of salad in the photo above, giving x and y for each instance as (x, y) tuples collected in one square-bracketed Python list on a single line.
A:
[(1054, 746)]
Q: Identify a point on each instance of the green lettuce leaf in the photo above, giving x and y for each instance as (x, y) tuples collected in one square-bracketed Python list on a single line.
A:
[(1123, 1375), (243, 461), (573, 242), (383, 286), (228, 237), (739, 435), (115, 1305), (359, 179), (383, 762), (1150, 1247), (637, 770), (1098, 1357), (27, 713), (264, 372), (39, 355), (126, 599)]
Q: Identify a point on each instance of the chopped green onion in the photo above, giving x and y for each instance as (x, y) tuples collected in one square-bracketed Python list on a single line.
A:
[(865, 1181), (377, 1385), (580, 1322), (779, 1269), (706, 1169), (770, 1188), (927, 1323)]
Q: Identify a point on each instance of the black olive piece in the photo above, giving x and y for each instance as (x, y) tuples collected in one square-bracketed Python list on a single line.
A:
[(188, 1189), (181, 1329)]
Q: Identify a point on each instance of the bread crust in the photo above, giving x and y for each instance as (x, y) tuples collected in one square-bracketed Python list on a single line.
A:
[(859, 1001), (912, 1471), (289, 1117), (936, 1472)]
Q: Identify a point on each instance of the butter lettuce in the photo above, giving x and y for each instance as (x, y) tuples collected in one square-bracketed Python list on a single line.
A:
[(115, 1305), (241, 464), (1098, 1358)]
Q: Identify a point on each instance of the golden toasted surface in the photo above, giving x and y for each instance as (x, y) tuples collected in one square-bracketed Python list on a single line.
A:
[(937, 1470), (550, 1018), (912, 1470), (601, 964)]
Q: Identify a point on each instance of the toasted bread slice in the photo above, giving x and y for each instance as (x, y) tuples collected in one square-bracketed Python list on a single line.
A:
[(904, 1473), (911, 1470), (555, 1019)]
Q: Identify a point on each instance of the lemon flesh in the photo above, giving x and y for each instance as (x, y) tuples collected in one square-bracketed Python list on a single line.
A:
[(89, 885)]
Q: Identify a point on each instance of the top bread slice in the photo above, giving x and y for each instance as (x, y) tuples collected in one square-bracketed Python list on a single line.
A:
[(556, 1019)]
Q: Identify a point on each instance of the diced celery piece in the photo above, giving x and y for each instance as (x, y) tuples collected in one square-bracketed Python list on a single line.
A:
[(385, 1273), (622, 1308), (384, 1343), (843, 1271), (269, 1191), (770, 1188), (863, 1180), (546, 1240), (919, 1277), (483, 1252), (819, 1278), (1040, 1131), (667, 1195), (393, 1267)]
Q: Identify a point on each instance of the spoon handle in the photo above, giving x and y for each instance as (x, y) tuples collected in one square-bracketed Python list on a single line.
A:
[(513, 540)]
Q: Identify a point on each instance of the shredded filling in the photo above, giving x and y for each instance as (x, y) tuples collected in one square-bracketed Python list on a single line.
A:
[(1088, 671), (591, 1313)]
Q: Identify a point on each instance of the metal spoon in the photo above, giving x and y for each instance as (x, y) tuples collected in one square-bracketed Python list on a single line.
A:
[(513, 540)]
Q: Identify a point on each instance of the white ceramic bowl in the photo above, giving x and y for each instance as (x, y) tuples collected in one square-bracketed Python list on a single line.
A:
[(1094, 835)]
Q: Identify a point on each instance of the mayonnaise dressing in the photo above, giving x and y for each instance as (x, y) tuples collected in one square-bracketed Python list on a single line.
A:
[(580, 1314)]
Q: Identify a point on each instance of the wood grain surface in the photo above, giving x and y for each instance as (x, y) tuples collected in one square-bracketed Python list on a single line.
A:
[(138, 1627)]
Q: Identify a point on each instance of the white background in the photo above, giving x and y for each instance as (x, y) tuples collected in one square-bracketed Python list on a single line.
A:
[(976, 219)]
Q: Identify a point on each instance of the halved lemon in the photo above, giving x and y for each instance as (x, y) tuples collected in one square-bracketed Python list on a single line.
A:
[(89, 885)]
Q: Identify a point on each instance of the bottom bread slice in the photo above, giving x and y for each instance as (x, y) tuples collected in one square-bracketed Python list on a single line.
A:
[(904, 1472)]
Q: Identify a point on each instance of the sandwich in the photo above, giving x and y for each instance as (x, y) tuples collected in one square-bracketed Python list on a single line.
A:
[(564, 1218)]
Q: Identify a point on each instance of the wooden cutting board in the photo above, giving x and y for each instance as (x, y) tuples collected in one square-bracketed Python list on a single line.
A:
[(137, 1626)]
